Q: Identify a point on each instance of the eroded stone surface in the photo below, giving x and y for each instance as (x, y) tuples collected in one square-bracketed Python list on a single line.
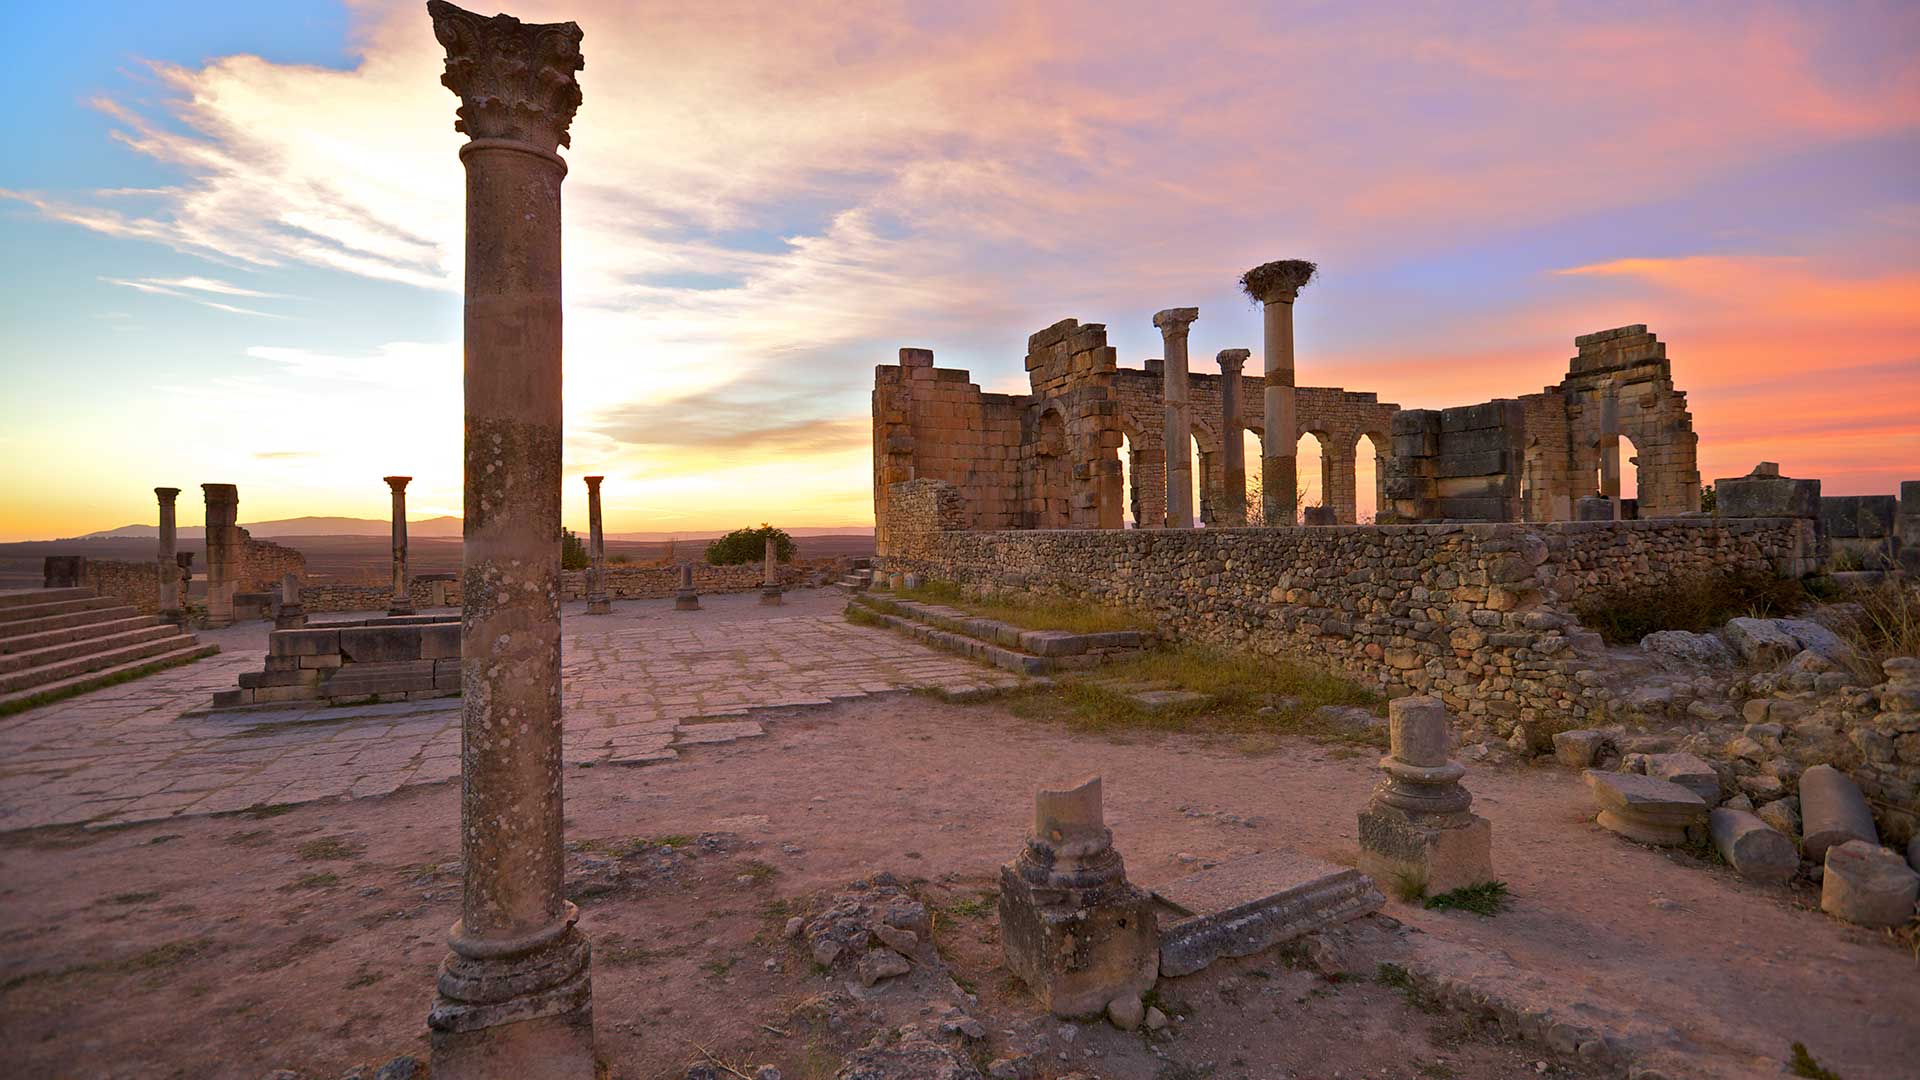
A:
[(1645, 808), (1867, 884)]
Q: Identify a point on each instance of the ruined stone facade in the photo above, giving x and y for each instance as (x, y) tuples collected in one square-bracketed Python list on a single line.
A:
[(1481, 615), (1050, 459)]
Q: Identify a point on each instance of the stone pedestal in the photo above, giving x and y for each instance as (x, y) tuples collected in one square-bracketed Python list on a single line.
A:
[(1418, 826), (168, 571), (597, 601), (402, 602), (1233, 444), (223, 543), (770, 581), (291, 614), (1072, 928), (1178, 433), (515, 1000), (1275, 285), (1645, 808), (688, 598)]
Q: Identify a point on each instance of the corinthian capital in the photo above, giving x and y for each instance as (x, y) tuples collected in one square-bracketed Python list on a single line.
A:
[(1175, 320), (515, 80)]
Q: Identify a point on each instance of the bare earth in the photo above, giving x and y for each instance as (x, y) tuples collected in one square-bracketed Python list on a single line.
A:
[(306, 939)]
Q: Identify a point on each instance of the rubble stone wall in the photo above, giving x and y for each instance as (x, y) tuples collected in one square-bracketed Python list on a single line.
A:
[(135, 583), (622, 583), (1480, 613), (258, 565)]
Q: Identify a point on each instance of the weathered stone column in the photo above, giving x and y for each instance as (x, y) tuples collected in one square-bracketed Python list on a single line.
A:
[(223, 515), (770, 583), (688, 598), (1178, 435), (597, 602), (1275, 285), (1233, 442), (1418, 827), (402, 601), (291, 614), (515, 1001), (164, 565)]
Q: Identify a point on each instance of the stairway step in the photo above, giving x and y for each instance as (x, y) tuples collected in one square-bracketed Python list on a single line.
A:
[(83, 617), (80, 665), (195, 650), (20, 643), (29, 612), (70, 650), (12, 598)]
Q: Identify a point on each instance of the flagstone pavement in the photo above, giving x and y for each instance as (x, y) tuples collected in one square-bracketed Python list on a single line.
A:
[(637, 685)]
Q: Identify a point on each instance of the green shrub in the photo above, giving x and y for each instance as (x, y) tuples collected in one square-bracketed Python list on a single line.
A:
[(750, 546), (573, 552), (1698, 604)]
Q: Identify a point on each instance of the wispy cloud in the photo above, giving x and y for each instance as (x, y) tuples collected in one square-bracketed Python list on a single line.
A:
[(179, 288)]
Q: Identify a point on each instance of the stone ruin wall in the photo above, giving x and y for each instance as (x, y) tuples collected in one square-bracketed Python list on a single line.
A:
[(258, 565), (135, 583), (622, 583), (1480, 614)]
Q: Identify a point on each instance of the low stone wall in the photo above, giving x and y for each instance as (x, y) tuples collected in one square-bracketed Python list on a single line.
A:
[(623, 583), (135, 583), (1480, 614)]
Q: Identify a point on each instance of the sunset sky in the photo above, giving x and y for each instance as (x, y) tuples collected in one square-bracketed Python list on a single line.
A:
[(233, 230)]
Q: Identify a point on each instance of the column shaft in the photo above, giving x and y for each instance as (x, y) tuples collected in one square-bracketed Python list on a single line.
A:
[(223, 513), (597, 601), (1178, 435), (165, 565), (1232, 510), (402, 600), (1279, 482)]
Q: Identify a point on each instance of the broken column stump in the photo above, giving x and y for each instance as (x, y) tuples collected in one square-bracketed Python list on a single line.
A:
[(1419, 827), (687, 598), (1073, 929)]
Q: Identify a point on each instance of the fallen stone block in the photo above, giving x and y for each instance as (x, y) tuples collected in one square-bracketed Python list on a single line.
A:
[(1867, 884), (1761, 642), (1832, 811), (1782, 814), (1815, 638), (1645, 808), (1689, 772), (1703, 649), (1243, 906), (1753, 848), (1578, 749)]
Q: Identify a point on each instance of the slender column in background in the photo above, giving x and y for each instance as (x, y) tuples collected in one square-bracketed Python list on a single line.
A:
[(1233, 444), (597, 602), (402, 602), (165, 566), (515, 999), (1173, 324), (1275, 285), (770, 584)]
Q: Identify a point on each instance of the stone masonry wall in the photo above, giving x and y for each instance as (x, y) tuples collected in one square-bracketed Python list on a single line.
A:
[(1480, 614), (260, 564), (136, 583), (623, 583)]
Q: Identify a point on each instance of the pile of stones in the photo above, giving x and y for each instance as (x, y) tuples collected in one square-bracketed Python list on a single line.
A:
[(876, 930)]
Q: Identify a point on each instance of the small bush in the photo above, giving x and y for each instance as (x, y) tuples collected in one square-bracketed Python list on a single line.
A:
[(750, 546), (1697, 604), (1888, 626), (1803, 1064), (573, 551), (1488, 898)]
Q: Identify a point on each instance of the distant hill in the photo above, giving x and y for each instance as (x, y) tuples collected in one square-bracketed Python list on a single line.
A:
[(715, 534), (443, 526)]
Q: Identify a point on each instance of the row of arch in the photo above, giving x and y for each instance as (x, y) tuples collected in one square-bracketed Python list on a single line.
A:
[(1348, 475)]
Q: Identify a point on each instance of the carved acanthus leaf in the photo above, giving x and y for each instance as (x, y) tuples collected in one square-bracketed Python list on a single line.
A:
[(515, 80)]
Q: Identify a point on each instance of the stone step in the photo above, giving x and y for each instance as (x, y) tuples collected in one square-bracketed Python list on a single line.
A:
[(50, 654), (13, 598), (88, 680), (1065, 648), (11, 618), (29, 678), (101, 613), (79, 632)]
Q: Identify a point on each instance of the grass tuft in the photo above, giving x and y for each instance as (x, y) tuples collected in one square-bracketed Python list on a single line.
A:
[(1802, 1064), (1697, 604), (1031, 611), (329, 847), (1487, 898)]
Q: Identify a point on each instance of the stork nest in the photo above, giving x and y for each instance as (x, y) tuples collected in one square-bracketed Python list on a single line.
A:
[(1263, 280)]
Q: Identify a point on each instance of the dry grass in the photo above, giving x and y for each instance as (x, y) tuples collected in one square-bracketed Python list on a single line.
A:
[(1239, 688), (1697, 604), (1889, 626), (1031, 611)]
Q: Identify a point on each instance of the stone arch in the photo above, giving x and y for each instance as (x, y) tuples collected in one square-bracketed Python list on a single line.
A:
[(1146, 482), (1050, 503), (1206, 472), (1312, 473), (1378, 451)]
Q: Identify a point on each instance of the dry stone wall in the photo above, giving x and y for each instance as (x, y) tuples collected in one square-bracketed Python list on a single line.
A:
[(135, 583), (1480, 614), (258, 565)]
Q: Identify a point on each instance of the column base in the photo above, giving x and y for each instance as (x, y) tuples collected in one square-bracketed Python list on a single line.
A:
[(602, 606), (686, 601), (771, 596), (558, 1047), (400, 609), (519, 1015), (174, 617)]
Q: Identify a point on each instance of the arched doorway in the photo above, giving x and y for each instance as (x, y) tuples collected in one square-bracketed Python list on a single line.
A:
[(1369, 476)]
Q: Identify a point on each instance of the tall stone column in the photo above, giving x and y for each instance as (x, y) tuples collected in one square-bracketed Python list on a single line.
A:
[(402, 601), (597, 602), (1173, 324), (165, 565), (1275, 285), (223, 515), (1233, 443), (770, 583), (515, 1001)]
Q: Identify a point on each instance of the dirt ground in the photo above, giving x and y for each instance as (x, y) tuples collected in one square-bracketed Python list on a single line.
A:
[(308, 939)]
